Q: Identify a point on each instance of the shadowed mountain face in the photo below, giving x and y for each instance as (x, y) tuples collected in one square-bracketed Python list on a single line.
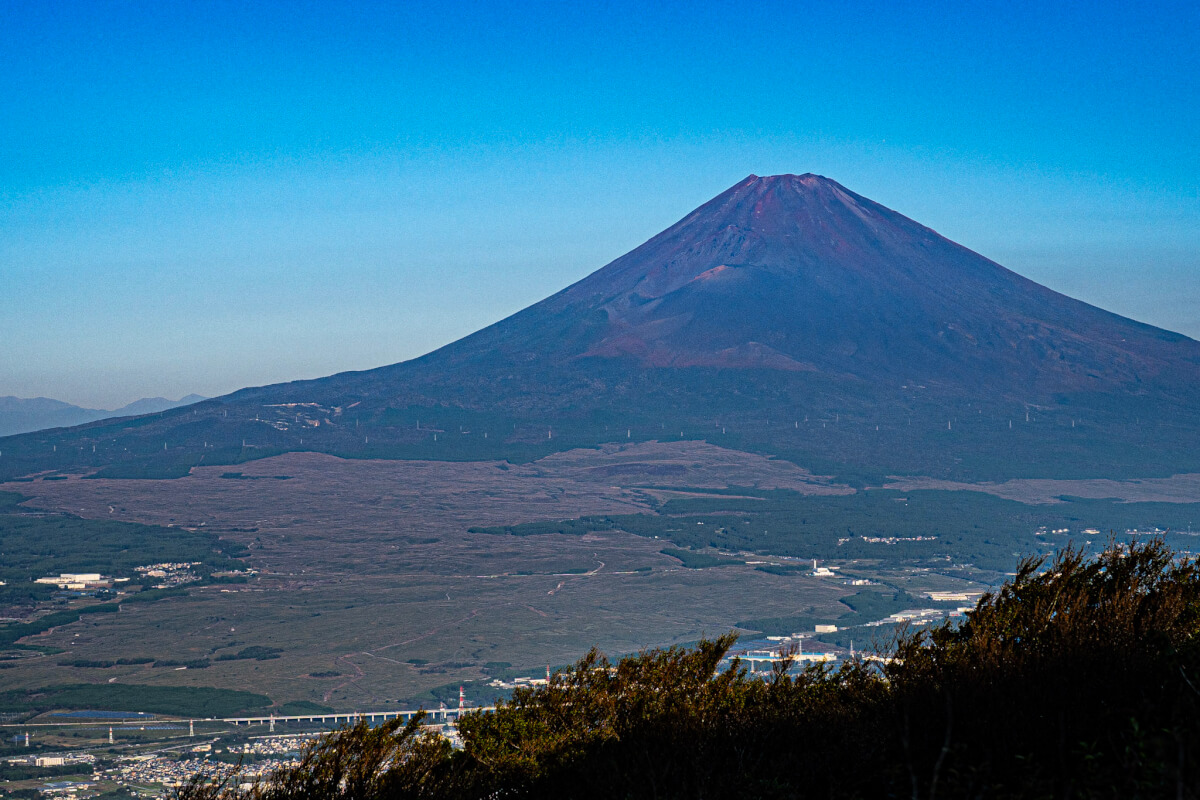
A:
[(786, 297)]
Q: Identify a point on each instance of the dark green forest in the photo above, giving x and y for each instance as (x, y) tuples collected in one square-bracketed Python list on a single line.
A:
[(970, 527), (188, 701), (35, 544)]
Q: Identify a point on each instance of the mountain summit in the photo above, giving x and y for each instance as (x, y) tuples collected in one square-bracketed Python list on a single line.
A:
[(797, 273), (786, 297)]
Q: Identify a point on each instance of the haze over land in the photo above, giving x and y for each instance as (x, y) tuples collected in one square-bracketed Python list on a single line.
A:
[(22, 415)]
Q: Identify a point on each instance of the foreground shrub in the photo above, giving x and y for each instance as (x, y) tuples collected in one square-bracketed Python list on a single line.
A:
[(1079, 678)]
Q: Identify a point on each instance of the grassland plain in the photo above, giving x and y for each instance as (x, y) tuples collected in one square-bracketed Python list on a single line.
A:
[(383, 581), (373, 588)]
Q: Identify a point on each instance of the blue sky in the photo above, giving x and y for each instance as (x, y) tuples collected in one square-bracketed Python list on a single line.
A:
[(200, 196)]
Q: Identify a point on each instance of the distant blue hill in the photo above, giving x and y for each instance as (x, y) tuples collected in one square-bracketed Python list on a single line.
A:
[(24, 415)]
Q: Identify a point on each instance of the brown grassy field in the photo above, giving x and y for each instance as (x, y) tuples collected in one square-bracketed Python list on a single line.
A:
[(369, 571)]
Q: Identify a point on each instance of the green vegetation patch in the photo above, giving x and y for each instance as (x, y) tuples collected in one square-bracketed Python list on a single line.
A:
[(11, 633), (194, 663), (36, 545), (83, 663), (151, 595), (783, 569), (969, 527), (187, 701), (240, 476), (693, 560), (23, 772), (300, 707), (869, 606), (255, 652)]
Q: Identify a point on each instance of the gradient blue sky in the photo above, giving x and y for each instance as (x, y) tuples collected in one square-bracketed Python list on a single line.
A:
[(200, 196)]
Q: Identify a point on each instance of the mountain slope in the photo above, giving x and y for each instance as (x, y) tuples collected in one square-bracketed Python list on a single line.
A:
[(784, 298)]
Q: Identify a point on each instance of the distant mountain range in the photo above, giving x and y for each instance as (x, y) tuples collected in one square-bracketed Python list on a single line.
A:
[(788, 315), (24, 415)]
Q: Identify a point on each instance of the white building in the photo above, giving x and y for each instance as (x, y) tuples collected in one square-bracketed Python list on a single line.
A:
[(77, 580)]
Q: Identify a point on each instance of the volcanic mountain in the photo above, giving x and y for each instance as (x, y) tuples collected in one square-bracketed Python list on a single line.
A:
[(783, 298), (797, 273)]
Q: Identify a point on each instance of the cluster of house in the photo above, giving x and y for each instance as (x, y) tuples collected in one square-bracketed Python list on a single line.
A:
[(169, 573), (172, 772), (515, 683), (277, 745)]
